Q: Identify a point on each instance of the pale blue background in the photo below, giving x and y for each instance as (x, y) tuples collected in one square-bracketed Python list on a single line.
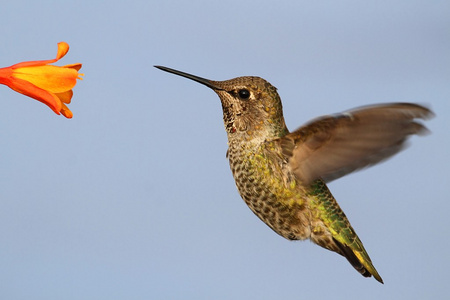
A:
[(133, 198)]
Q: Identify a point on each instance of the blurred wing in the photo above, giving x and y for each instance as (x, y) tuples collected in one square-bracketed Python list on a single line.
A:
[(333, 146)]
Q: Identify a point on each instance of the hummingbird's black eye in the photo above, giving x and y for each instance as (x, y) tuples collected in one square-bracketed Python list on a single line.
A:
[(244, 94)]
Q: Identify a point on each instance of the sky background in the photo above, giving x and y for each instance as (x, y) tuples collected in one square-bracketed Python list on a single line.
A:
[(133, 197)]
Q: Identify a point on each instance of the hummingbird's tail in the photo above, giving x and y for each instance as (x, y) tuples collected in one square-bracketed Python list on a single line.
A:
[(360, 260), (333, 231)]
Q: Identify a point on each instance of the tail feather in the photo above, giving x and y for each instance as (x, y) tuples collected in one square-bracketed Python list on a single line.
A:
[(359, 260), (333, 231)]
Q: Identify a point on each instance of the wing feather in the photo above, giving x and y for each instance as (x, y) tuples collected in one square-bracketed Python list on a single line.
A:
[(333, 146)]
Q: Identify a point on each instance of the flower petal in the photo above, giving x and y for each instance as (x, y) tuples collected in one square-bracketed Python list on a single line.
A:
[(65, 97), (63, 48), (51, 78), (30, 90), (74, 66), (5, 75), (66, 111)]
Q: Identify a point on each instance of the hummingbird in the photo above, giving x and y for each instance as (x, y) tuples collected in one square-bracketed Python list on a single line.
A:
[(282, 175)]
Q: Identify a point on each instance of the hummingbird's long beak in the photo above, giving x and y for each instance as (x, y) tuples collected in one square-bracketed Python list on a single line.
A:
[(201, 80)]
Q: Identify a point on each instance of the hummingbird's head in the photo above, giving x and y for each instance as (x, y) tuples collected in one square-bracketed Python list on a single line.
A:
[(251, 106)]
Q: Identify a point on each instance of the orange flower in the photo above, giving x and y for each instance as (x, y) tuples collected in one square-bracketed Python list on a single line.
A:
[(52, 85)]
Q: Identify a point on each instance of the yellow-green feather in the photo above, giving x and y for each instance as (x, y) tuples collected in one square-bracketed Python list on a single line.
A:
[(339, 226)]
